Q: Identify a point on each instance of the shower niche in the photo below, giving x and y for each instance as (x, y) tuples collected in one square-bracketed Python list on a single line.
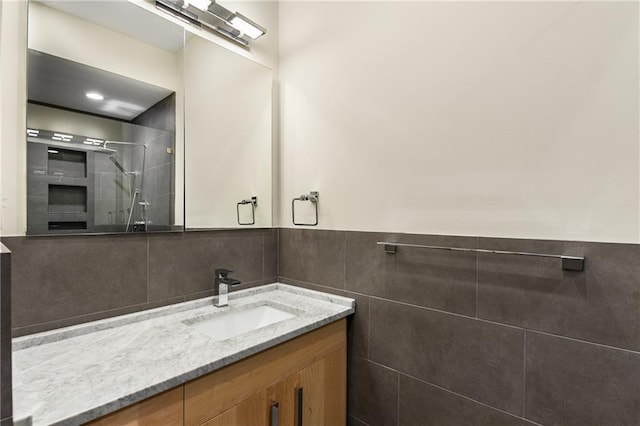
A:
[(97, 167)]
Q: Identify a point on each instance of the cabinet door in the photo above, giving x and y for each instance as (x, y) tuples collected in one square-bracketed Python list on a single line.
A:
[(319, 393), (252, 412), (269, 407)]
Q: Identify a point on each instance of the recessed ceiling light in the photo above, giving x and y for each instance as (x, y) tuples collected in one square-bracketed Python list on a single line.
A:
[(94, 95)]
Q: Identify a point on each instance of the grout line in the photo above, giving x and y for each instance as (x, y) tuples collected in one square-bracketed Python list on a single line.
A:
[(354, 417), (477, 280), (584, 341), (524, 375), (278, 252), (264, 252), (156, 304), (344, 263), (559, 336), (466, 397), (398, 402), (368, 328)]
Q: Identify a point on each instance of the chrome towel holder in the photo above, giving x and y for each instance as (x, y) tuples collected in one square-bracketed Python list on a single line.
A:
[(313, 197), (254, 203), (569, 263)]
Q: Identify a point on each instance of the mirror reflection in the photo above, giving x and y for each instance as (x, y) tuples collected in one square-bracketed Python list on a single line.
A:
[(99, 160), (228, 124), (101, 141), (115, 92)]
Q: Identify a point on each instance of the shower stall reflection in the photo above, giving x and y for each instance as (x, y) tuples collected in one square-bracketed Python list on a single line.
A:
[(82, 184)]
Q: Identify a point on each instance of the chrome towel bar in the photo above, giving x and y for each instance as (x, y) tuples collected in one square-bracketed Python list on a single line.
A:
[(569, 263)]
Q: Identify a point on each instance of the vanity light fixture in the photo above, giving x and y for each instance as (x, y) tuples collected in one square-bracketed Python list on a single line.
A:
[(203, 5), (210, 15), (247, 26), (95, 96)]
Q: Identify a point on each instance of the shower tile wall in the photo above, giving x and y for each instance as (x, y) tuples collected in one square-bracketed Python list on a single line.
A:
[(160, 161), (452, 338), (61, 281)]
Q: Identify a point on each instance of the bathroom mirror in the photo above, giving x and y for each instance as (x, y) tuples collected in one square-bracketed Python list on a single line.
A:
[(115, 91), (103, 139)]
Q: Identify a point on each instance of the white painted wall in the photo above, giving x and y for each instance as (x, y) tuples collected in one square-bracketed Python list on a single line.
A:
[(72, 38), (228, 129), (509, 119), (13, 166)]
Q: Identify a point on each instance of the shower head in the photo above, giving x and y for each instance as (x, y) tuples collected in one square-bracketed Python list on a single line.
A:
[(117, 164)]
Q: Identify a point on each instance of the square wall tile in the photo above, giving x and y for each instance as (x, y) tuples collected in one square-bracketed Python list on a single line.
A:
[(270, 267), (357, 324), (55, 278), (422, 404), (184, 264), (573, 383), (372, 393), (477, 359), (600, 304), (314, 256), (439, 279)]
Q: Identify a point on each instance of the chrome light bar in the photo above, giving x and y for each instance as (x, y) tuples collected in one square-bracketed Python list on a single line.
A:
[(210, 15)]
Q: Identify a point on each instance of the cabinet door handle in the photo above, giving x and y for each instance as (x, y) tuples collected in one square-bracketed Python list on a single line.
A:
[(299, 402), (274, 414)]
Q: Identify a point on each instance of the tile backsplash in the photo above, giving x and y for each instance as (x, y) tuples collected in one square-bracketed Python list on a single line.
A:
[(452, 338), (439, 337), (62, 281)]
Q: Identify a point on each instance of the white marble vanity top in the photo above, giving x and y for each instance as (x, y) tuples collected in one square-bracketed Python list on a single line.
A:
[(75, 374)]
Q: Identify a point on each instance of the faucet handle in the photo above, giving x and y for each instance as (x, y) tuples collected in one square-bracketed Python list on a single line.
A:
[(223, 273)]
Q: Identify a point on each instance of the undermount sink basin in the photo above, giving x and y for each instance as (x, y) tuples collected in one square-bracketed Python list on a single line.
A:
[(234, 323)]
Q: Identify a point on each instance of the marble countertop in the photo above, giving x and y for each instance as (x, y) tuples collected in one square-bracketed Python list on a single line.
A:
[(76, 374)]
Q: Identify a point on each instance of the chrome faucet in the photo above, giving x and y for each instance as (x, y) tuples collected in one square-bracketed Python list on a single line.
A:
[(222, 284)]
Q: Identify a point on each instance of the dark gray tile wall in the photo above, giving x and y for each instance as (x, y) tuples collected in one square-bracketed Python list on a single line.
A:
[(61, 281), (454, 338), (6, 408)]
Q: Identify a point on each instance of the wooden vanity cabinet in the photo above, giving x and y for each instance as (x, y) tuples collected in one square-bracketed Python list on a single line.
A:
[(306, 377), (314, 362), (166, 409)]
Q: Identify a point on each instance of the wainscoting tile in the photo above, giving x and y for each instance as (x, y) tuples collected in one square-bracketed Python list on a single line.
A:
[(270, 267), (372, 393), (62, 277), (314, 256), (94, 316), (351, 421), (357, 324), (422, 404), (572, 383), (439, 279), (477, 359), (601, 304), (184, 264)]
